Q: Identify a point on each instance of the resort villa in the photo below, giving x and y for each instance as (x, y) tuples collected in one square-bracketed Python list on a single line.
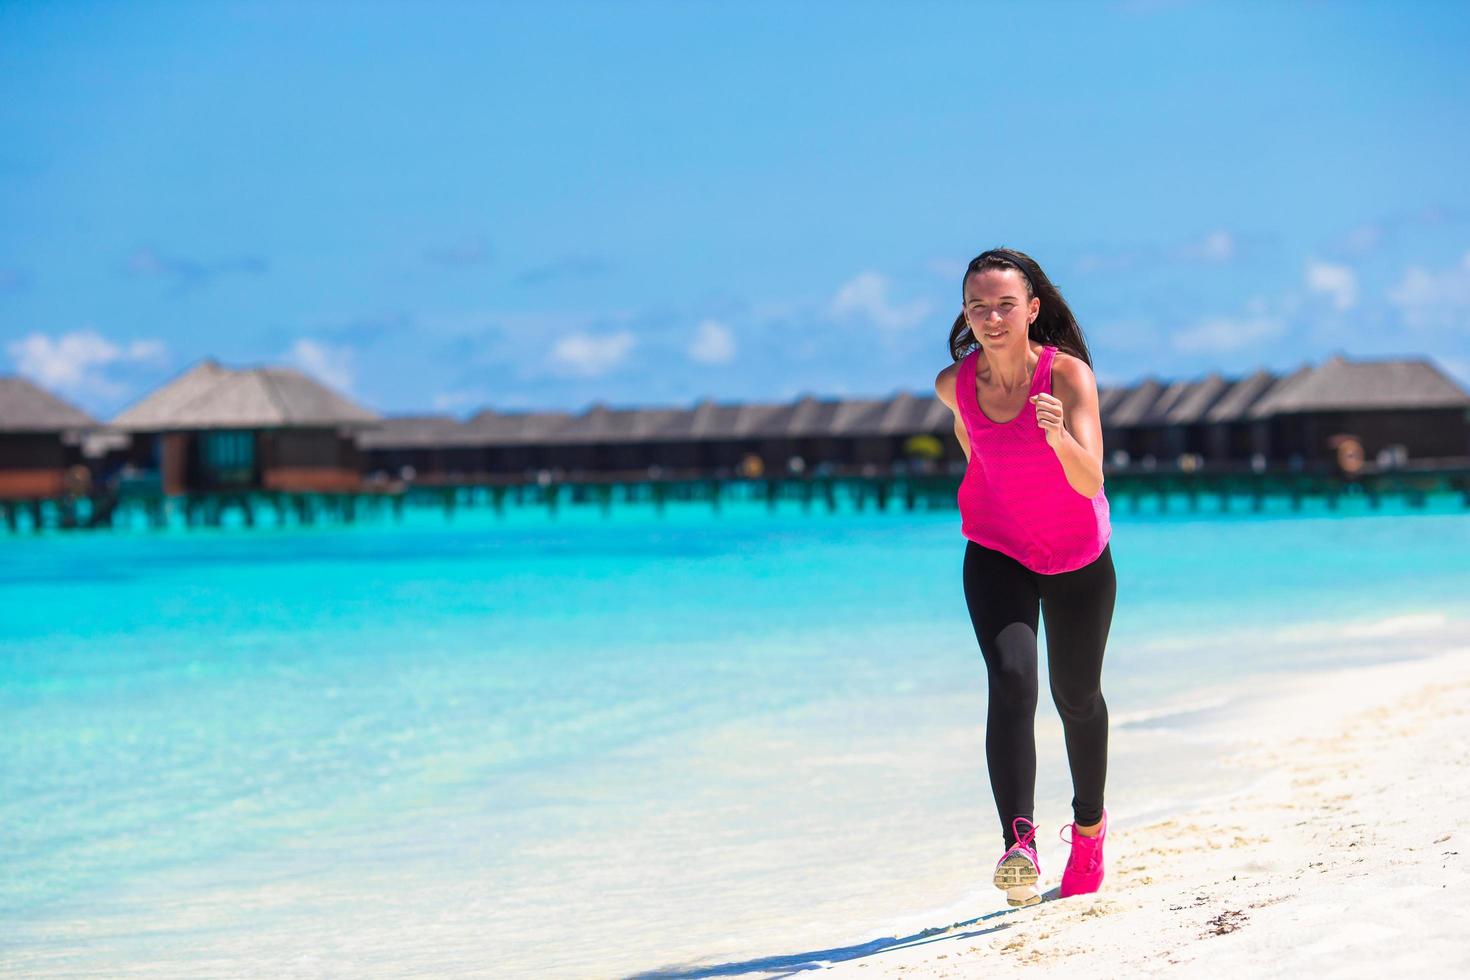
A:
[(266, 428), (40, 440)]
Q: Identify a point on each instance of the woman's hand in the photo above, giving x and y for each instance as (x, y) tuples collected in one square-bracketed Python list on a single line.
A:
[(1049, 417)]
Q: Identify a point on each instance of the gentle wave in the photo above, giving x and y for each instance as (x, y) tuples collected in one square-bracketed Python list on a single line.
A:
[(1133, 718)]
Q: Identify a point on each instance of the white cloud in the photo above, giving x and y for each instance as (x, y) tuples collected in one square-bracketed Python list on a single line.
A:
[(713, 343), (330, 364), (76, 362), (866, 296), (1217, 246), (1216, 335), (589, 356), (1338, 282), (1427, 299)]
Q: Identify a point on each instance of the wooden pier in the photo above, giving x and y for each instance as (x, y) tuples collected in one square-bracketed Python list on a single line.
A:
[(1133, 491)]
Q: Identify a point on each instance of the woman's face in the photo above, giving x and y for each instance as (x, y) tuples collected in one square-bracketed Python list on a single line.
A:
[(996, 307)]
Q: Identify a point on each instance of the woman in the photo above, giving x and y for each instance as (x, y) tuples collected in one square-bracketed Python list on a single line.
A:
[(1033, 511)]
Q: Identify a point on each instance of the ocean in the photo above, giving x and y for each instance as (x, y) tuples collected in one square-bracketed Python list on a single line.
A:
[(692, 743)]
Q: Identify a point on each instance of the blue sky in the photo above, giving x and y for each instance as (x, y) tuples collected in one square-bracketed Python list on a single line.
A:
[(445, 207)]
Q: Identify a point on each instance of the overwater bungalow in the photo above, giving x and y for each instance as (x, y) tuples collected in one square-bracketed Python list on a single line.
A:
[(761, 431), (408, 445), (1185, 429), (40, 442), (518, 442), (1402, 409), (713, 437), (1231, 433), (1125, 421), (709, 438), (855, 432), (1109, 397), (1154, 423), (808, 430), (906, 416), (603, 439), (1260, 420), (238, 429)]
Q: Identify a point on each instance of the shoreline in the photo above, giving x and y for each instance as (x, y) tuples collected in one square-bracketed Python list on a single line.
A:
[(1340, 854), (886, 904)]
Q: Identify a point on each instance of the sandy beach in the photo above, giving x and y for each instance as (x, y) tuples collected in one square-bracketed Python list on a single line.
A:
[(1345, 856)]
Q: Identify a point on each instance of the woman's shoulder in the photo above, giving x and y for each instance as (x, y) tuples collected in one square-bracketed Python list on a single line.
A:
[(1071, 372), (944, 383)]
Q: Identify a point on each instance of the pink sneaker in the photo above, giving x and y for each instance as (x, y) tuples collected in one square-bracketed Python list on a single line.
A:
[(1084, 871), (1018, 869)]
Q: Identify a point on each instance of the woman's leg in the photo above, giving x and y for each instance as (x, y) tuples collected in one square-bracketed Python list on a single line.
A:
[(1077, 608), (1004, 608)]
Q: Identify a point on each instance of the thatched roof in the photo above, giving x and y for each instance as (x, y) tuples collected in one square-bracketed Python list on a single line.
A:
[(765, 420), (907, 414), (1158, 412), (209, 396), (1134, 405), (708, 419), (24, 407), (518, 428), (1211, 399), (1234, 405), (1110, 398), (419, 431), (601, 424), (1342, 385), (1337, 384), (858, 417), (1196, 400), (810, 416)]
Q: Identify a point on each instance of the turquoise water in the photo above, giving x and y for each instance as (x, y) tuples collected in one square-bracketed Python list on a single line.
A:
[(584, 745)]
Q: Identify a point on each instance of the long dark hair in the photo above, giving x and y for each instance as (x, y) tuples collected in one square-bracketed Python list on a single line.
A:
[(1054, 324)]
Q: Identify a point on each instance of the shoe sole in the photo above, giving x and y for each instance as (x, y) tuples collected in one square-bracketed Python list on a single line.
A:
[(1018, 877), (1015, 870), (1022, 895)]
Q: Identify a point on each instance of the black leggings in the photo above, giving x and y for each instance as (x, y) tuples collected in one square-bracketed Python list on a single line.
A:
[(1077, 606)]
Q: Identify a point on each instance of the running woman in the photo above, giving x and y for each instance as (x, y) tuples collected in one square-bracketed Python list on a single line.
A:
[(1033, 510)]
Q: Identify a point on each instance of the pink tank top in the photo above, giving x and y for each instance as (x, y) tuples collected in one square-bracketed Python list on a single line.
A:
[(1015, 497)]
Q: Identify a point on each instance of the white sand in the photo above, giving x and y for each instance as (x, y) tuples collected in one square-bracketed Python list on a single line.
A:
[(1346, 856)]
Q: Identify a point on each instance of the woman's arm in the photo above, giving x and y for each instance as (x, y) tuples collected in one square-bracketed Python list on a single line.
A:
[(944, 387), (1073, 423)]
